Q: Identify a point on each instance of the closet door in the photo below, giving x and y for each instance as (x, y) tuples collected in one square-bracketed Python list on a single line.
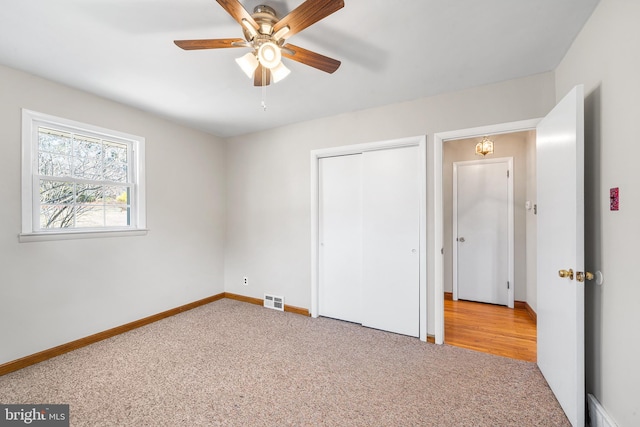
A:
[(391, 227), (340, 237), (482, 241)]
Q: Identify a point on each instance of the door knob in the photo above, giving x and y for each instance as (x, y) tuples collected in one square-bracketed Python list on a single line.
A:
[(580, 276), (566, 273), (461, 239)]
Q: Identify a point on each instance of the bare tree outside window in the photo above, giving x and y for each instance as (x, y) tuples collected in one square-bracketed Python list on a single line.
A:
[(83, 180)]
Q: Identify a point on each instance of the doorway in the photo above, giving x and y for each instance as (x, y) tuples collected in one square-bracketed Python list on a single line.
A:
[(559, 148), (459, 146)]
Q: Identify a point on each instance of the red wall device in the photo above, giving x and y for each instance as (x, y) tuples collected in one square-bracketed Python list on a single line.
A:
[(614, 200)]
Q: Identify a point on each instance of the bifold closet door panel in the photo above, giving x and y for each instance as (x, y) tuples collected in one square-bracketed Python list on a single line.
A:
[(391, 250), (340, 237)]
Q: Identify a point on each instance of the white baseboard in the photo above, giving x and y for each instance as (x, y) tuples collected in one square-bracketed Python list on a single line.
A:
[(597, 415)]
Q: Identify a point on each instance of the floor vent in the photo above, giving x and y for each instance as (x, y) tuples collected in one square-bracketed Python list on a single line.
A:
[(598, 417), (274, 302)]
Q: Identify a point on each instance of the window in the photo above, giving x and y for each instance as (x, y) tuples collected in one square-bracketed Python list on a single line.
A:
[(79, 181)]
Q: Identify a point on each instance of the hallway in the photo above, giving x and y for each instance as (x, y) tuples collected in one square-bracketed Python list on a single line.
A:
[(490, 328)]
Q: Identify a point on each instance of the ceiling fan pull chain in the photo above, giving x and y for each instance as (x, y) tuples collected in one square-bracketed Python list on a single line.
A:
[(264, 88)]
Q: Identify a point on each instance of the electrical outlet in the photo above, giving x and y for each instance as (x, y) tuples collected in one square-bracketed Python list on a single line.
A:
[(245, 281)]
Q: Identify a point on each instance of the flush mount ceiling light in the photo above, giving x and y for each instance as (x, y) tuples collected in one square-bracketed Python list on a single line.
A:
[(266, 36), (484, 147)]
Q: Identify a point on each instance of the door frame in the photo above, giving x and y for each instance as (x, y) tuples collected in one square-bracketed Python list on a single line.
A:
[(510, 223), (421, 143), (437, 251)]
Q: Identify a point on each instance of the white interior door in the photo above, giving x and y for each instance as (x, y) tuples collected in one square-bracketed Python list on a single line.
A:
[(560, 172), (340, 230), (481, 231), (391, 245)]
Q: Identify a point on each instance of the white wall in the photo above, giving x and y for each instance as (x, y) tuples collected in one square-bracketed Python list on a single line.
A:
[(505, 145), (55, 292), (604, 57), (268, 210)]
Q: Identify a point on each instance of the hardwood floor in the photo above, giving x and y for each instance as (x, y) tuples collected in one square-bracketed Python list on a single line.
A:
[(490, 329)]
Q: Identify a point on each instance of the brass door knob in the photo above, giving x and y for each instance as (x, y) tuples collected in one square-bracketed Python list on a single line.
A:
[(566, 273), (580, 276)]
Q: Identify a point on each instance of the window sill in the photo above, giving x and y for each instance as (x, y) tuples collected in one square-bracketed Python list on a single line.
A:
[(74, 235)]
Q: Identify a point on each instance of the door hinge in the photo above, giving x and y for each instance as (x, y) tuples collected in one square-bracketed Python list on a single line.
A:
[(508, 285), (507, 173)]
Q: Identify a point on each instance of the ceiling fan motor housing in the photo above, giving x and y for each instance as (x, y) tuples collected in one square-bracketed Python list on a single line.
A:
[(265, 17)]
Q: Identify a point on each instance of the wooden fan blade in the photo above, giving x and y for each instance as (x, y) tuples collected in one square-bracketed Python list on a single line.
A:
[(238, 12), (308, 13), (208, 43), (258, 76), (312, 59)]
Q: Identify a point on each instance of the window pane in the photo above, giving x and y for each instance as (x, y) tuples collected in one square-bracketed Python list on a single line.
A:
[(88, 156), (116, 172), (115, 152), (89, 216), (53, 141), (56, 216), (116, 195), (54, 164), (115, 161), (88, 193), (117, 216), (56, 192)]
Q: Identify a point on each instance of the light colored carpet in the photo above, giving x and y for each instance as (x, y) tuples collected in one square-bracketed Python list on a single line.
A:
[(235, 364)]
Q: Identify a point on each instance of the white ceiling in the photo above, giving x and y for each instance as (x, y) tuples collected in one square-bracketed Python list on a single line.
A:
[(391, 51)]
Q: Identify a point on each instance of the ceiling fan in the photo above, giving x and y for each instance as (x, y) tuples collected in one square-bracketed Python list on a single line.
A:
[(266, 36)]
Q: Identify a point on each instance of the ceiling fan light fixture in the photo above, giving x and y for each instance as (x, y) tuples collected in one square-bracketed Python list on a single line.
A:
[(265, 34), (279, 72), (280, 33), (252, 31), (269, 55), (248, 63)]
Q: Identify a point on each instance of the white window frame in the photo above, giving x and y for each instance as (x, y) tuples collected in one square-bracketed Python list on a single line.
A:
[(31, 121)]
